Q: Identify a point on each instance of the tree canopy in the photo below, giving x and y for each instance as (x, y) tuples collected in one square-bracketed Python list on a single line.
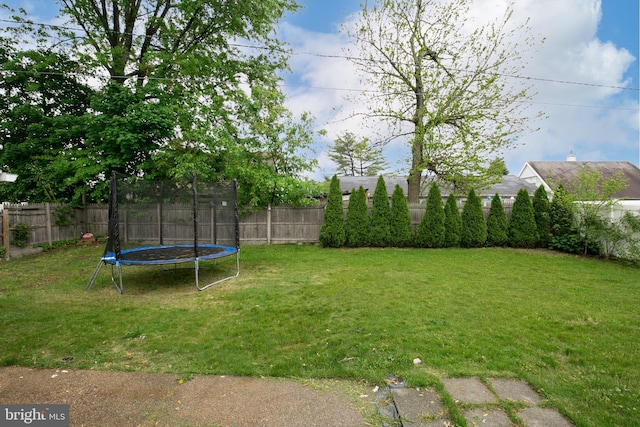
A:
[(357, 157), (182, 87), (439, 80)]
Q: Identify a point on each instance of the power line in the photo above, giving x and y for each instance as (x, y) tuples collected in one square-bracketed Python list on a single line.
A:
[(352, 58)]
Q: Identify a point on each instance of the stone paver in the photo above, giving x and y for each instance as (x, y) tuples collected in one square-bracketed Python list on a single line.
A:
[(423, 408), (515, 390), (543, 417), (468, 390), (419, 407), (490, 418)]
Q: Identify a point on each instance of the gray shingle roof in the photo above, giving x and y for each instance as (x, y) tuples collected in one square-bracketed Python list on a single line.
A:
[(567, 172)]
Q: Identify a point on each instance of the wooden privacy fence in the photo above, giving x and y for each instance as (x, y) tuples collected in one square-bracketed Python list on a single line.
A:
[(45, 223)]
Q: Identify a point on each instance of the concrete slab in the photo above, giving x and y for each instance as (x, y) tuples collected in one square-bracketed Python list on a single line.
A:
[(490, 418), (543, 417), (515, 390), (468, 390), (419, 407)]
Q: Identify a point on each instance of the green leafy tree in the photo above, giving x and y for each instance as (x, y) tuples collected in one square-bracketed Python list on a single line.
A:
[(474, 226), (452, 222), (541, 212), (497, 225), (522, 224), (332, 230), (357, 223), (379, 230), (442, 85), (42, 124), (400, 222), (430, 233), (357, 158), (182, 59)]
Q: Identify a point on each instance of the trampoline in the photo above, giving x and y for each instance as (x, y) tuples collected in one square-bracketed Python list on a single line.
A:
[(186, 214)]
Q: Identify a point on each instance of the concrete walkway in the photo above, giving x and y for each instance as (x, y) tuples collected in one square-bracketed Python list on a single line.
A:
[(479, 405)]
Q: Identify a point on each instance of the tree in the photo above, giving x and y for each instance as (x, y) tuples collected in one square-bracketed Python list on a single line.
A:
[(357, 223), (452, 222), (182, 59), (474, 226), (42, 124), (541, 212), (442, 85), (356, 158), (497, 225), (430, 233), (400, 222), (379, 230), (522, 224), (332, 233), (564, 235)]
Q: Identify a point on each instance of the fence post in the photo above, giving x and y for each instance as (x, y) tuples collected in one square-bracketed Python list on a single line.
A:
[(269, 224), (47, 220), (5, 231)]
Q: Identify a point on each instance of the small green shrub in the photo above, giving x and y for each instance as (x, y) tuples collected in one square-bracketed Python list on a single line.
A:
[(379, 230), (452, 223), (430, 233), (400, 221), (541, 212), (522, 224), (332, 234), (357, 223), (21, 234), (474, 226), (497, 225)]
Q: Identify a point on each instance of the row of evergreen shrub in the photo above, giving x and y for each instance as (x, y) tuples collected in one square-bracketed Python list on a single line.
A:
[(389, 224)]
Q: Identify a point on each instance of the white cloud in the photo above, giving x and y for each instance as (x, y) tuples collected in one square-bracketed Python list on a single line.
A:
[(571, 52)]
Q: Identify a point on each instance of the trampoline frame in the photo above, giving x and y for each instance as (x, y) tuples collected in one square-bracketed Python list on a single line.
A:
[(113, 255)]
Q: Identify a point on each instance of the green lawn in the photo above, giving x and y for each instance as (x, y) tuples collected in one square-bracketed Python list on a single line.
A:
[(569, 326)]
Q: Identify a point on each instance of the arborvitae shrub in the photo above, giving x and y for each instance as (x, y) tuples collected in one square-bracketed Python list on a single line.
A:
[(474, 226), (430, 233), (452, 223), (400, 221), (522, 224), (357, 224), (497, 224), (541, 212), (564, 236), (379, 232), (332, 234)]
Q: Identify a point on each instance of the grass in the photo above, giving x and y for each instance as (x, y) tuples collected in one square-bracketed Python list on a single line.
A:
[(569, 326)]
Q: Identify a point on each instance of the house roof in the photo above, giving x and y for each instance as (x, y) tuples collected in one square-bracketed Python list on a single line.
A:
[(509, 186), (566, 173), (350, 183)]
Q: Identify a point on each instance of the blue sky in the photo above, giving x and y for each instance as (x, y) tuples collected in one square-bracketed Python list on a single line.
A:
[(594, 42)]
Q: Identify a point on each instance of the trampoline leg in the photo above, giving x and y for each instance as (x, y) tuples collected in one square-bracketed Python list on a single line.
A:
[(221, 280), (94, 276), (118, 283)]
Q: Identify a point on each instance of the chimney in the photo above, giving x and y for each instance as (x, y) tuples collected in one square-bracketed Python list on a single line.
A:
[(571, 157)]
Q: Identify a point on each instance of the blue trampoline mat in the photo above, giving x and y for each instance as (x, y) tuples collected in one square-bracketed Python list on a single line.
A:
[(170, 254)]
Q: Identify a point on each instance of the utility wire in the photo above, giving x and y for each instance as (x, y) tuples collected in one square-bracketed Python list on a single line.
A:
[(354, 58)]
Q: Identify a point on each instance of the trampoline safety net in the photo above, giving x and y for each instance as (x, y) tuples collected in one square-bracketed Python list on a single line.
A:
[(169, 222)]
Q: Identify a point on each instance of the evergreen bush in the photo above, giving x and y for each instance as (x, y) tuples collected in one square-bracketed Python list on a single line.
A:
[(522, 224), (541, 212), (497, 224), (379, 231), (400, 222), (474, 226), (430, 233), (564, 234), (357, 223), (452, 222), (332, 234)]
